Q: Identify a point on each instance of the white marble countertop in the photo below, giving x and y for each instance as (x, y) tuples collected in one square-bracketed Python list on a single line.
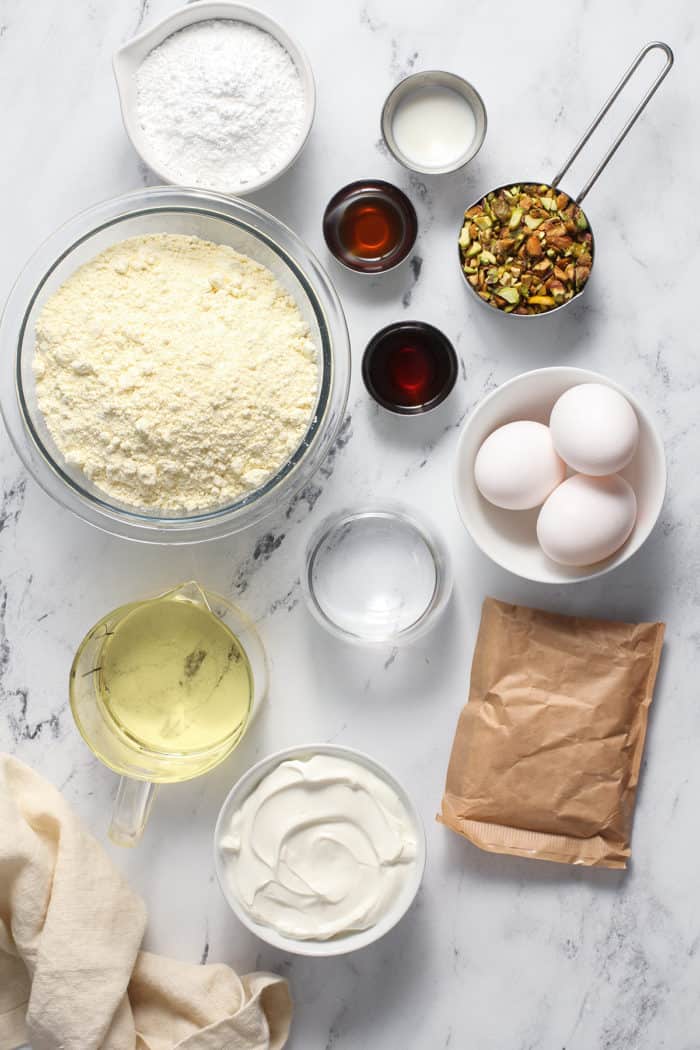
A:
[(498, 953)]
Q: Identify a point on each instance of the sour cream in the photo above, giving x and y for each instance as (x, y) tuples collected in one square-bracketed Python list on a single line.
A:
[(322, 847)]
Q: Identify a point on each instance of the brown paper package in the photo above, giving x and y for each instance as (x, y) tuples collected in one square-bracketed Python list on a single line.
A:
[(545, 761)]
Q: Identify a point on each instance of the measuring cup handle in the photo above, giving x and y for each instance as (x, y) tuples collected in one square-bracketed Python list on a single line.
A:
[(655, 45), (132, 806)]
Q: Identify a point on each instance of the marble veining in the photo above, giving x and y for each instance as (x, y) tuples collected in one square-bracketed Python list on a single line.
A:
[(497, 953)]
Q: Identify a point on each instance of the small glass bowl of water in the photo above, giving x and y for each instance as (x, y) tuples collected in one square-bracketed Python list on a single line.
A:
[(376, 575)]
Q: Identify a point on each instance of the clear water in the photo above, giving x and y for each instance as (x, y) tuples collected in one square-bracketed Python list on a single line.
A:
[(374, 575)]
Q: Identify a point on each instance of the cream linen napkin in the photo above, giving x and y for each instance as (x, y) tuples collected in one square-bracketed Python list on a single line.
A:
[(71, 974)]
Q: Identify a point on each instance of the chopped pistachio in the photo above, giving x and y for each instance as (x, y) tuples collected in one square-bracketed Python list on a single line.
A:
[(532, 223), (501, 209), (581, 273), (526, 248), (563, 243), (503, 246), (511, 295), (533, 246)]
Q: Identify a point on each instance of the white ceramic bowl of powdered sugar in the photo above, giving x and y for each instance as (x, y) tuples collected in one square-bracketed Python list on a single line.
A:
[(216, 96)]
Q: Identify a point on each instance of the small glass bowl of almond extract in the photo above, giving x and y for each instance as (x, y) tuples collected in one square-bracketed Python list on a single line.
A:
[(409, 367)]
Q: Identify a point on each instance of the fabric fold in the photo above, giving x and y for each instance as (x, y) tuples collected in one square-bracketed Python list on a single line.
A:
[(71, 972)]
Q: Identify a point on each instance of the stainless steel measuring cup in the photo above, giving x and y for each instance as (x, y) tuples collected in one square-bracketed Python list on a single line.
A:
[(554, 184)]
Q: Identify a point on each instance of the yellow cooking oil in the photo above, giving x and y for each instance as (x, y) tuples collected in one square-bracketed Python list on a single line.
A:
[(173, 678)]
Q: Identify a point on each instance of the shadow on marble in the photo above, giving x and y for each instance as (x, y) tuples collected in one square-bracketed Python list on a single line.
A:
[(288, 196), (639, 590), (424, 431), (372, 982), (388, 673), (549, 339)]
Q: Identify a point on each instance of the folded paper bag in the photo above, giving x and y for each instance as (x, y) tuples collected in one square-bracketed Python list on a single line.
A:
[(71, 973), (546, 757)]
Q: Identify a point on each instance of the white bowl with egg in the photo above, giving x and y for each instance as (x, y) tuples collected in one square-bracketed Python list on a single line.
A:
[(233, 823), (128, 59), (509, 538)]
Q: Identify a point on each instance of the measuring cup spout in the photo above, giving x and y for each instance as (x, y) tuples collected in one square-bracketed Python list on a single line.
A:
[(190, 591), (132, 806)]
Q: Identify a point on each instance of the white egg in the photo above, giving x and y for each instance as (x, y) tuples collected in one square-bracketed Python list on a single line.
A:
[(594, 429), (517, 467), (586, 519)]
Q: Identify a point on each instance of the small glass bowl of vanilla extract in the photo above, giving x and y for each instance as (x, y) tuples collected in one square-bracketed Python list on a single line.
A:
[(370, 226), (409, 367)]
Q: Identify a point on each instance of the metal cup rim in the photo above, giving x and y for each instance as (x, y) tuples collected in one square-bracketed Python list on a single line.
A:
[(458, 83)]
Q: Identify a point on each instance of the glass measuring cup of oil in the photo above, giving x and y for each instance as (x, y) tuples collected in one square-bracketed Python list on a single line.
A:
[(163, 690)]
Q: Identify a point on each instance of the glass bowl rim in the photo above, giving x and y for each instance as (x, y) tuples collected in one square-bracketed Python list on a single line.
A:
[(334, 352), (403, 204), (446, 347), (437, 549)]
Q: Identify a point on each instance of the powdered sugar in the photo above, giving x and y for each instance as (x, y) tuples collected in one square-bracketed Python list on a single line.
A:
[(221, 103)]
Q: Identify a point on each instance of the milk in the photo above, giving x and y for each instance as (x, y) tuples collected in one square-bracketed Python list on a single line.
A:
[(433, 126)]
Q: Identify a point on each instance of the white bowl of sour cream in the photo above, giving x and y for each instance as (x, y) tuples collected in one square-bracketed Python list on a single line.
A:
[(319, 850)]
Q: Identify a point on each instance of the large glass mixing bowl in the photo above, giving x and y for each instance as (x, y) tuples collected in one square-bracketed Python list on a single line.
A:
[(225, 220)]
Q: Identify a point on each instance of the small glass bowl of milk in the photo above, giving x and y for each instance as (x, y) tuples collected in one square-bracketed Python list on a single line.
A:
[(434, 122)]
